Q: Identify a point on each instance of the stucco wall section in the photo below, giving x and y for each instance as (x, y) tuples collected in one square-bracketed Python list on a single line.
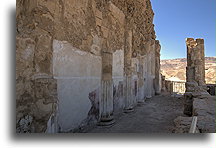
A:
[(118, 78), (78, 74)]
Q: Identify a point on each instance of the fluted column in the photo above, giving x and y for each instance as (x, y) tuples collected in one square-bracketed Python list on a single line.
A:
[(106, 101), (141, 88), (128, 71)]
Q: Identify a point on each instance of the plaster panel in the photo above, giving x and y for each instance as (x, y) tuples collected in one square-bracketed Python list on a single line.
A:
[(69, 61), (118, 63), (74, 102), (78, 73)]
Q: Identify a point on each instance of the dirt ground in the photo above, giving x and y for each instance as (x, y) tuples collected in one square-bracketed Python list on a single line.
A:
[(156, 115)]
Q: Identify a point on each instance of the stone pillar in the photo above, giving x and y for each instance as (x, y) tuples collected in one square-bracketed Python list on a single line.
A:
[(149, 78), (128, 71), (195, 61), (141, 92), (106, 102), (157, 68), (145, 75), (152, 68), (147, 68), (195, 73), (163, 85)]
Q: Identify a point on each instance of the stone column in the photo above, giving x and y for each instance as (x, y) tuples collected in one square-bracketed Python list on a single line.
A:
[(149, 76), (152, 68), (141, 88), (148, 67), (106, 101), (195, 61), (157, 68), (195, 73), (145, 76), (163, 86), (128, 71)]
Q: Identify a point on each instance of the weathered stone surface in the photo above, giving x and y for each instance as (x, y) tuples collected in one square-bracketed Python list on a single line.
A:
[(188, 103), (195, 61), (68, 47), (157, 80), (195, 73), (197, 101), (205, 110), (182, 124), (36, 90), (25, 125)]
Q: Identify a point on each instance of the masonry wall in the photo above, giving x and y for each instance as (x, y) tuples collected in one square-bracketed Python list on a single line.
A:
[(80, 62)]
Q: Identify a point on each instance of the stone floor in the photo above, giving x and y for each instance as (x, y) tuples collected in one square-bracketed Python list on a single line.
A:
[(156, 115)]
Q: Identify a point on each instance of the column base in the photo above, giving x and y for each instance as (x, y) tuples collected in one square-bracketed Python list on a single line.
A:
[(148, 97), (106, 121), (128, 110), (141, 103)]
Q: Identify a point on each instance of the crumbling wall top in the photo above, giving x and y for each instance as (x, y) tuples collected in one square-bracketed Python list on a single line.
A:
[(191, 42)]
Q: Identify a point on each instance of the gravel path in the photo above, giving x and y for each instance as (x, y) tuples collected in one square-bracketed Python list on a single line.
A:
[(155, 116)]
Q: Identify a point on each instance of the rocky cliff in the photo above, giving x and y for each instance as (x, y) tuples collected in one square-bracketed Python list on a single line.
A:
[(177, 68)]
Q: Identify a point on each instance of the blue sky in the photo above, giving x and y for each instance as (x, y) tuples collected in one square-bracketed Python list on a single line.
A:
[(176, 20)]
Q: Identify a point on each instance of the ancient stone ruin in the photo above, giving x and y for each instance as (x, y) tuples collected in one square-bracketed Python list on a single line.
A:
[(79, 62), (195, 73), (197, 101), (82, 63)]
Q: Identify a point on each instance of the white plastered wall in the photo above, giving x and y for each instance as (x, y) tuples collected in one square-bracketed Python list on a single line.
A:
[(78, 73)]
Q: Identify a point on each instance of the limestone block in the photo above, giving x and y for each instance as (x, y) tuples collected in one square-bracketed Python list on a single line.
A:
[(98, 21), (46, 89), (188, 103), (182, 124), (204, 109), (24, 57), (24, 85), (98, 14), (105, 31), (43, 52), (44, 19), (117, 13), (50, 5)]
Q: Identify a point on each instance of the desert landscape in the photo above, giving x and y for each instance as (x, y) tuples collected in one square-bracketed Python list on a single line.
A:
[(175, 69)]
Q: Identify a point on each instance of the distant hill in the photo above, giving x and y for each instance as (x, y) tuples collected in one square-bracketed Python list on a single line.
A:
[(177, 68)]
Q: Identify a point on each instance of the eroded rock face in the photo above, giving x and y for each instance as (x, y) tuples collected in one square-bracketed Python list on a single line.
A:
[(54, 35)]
